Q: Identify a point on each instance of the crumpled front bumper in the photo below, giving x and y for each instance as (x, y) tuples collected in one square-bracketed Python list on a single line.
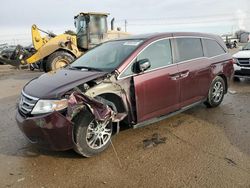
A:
[(51, 131)]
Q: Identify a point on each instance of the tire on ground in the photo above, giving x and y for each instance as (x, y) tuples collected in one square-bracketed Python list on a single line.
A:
[(210, 102), (81, 123)]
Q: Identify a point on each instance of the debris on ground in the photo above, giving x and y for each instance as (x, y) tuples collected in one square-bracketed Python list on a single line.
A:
[(21, 179), (154, 141), (229, 114), (230, 161), (232, 91)]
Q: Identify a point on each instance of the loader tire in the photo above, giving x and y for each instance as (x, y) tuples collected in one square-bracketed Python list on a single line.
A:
[(58, 60)]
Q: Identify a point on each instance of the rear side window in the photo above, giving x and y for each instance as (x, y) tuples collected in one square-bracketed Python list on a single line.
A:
[(212, 48), (188, 48)]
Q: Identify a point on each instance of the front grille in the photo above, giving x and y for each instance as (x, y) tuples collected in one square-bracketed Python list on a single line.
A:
[(244, 61), (27, 103)]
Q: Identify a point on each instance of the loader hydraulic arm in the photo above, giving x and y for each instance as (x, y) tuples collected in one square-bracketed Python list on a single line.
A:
[(37, 40)]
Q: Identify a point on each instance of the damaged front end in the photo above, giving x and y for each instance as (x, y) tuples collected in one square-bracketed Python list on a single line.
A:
[(102, 98), (98, 105)]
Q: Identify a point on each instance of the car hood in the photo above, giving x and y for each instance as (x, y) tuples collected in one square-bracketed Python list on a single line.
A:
[(53, 85), (242, 54)]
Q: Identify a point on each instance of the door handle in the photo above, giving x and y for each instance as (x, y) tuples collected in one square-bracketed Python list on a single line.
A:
[(175, 76), (184, 74)]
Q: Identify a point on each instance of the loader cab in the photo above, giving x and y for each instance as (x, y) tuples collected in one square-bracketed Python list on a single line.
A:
[(91, 29)]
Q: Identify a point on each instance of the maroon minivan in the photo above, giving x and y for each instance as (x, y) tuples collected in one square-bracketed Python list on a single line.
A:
[(135, 81)]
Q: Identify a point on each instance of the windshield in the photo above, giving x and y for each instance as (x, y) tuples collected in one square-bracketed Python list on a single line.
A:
[(107, 56), (97, 24), (247, 47)]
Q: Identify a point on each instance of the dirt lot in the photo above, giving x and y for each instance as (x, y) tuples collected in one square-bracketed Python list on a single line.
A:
[(203, 148)]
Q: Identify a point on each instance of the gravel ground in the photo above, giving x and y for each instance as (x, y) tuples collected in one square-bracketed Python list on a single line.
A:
[(201, 148)]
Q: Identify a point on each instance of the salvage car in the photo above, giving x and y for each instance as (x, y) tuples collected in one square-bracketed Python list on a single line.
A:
[(242, 63), (6, 52), (135, 81)]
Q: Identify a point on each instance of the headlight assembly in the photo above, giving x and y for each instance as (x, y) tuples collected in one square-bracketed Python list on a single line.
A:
[(45, 106)]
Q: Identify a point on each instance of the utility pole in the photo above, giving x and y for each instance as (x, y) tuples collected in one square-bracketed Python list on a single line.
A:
[(126, 25)]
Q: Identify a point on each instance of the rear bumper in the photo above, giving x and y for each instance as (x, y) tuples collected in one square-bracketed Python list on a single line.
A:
[(240, 71), (51, 131)]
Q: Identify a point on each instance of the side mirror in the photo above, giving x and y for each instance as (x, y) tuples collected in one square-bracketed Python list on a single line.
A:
[(142, 65)]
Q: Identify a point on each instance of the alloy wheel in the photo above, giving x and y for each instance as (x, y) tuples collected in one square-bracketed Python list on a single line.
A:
[(217, 91), (98, 134)]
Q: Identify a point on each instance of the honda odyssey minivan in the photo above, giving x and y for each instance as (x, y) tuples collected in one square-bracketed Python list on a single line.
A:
[(135, 81)]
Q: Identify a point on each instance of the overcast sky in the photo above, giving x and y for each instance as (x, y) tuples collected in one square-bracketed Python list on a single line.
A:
[(143, 16)]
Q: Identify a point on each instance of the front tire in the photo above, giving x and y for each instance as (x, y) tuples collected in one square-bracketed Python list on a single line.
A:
[(58, 60), (216, 92), (91, 137)]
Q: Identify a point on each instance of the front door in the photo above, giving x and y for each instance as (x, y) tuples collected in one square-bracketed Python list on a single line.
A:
[(157, 90), (157, 93)]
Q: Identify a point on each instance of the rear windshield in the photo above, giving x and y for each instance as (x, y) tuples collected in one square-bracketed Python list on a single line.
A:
[(107, 56)]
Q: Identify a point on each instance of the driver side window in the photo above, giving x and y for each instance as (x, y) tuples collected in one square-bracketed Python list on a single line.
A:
[(158, 53)]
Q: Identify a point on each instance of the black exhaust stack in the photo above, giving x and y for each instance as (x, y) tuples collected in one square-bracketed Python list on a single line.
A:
[(112, 23)]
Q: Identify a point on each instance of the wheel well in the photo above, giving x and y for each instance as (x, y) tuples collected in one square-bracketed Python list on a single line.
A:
[(225, 80), (117, 100), (60, 49), (64, 50), (118, 104)]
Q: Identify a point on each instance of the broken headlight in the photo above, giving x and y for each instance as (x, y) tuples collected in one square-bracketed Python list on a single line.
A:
[(45, 106)]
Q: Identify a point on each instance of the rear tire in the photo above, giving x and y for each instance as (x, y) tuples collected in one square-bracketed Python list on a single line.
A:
[(57, 60), (91, 137), (216, 92)]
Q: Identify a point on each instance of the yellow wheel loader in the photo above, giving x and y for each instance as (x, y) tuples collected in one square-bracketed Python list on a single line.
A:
[(56, 51)]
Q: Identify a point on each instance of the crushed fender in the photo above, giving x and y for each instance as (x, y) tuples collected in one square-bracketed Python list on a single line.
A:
[(78, 101)]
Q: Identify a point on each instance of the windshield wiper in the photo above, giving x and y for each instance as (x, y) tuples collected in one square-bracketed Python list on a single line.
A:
[(84, 67)]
